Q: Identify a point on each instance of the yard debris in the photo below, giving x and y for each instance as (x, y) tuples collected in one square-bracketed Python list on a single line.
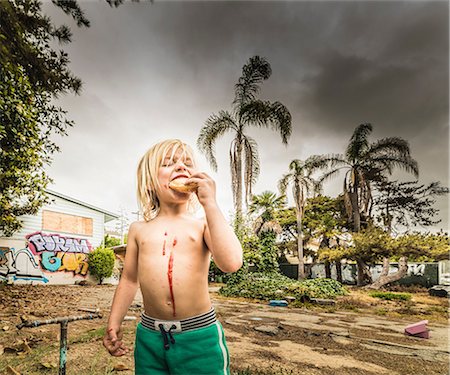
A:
[(48, 365), (323, 301), (91, 310), (120, 367), (12, 371), (5, 328), (440, 291), (418, 329), (269, 330)]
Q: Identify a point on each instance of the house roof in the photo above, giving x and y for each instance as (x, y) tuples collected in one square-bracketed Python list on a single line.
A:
[(108, 215)]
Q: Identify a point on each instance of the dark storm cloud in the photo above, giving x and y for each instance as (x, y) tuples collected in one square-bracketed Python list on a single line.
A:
[(169, 65), (395, 75)]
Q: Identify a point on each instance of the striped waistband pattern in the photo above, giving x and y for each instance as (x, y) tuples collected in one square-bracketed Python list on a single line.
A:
[(195, 322)]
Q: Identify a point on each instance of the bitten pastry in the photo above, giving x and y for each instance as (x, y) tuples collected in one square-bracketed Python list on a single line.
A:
[(180, 186)]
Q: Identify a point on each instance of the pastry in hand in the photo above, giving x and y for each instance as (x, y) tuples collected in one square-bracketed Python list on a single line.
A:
[(181, 186)]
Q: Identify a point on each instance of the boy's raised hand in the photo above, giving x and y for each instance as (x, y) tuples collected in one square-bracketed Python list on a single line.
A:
[(206, 191), (112, 341)]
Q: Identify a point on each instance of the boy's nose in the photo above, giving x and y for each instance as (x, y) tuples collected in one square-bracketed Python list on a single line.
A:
[(180, 166)]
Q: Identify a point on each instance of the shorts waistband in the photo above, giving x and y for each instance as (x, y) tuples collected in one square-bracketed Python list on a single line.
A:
[(195, 322)]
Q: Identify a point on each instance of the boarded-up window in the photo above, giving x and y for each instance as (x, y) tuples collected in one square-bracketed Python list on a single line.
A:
[(59, 222)]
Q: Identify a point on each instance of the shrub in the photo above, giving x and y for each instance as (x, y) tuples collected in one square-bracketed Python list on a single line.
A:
[(391, 296), (267, 286), (101, 263)]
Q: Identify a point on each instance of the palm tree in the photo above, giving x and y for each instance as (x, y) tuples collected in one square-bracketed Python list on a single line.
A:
[(247, 110), (303, 184), (364, 163), (266, 204)]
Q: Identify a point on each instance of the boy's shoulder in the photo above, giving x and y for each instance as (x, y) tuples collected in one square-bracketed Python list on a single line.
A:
[(137, 225)]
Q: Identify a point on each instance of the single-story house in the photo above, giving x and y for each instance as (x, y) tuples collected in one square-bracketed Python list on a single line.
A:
[(52, 245)]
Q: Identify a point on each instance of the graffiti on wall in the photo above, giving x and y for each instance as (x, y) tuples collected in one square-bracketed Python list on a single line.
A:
[(45, 253), (19, 265), (58, 253), (418, 273)]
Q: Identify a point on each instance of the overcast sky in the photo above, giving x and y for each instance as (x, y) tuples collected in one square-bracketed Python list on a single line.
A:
[(158, 71)]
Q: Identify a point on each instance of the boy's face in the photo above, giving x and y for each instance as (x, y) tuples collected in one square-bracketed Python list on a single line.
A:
[(178, 165)]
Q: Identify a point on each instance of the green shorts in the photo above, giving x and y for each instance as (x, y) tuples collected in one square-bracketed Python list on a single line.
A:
[(200, 351)]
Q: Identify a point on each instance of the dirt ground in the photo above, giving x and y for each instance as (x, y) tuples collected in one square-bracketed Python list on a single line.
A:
[(360, 335)]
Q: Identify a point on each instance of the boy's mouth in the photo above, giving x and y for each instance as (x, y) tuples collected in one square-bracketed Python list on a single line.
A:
[(180, 176)]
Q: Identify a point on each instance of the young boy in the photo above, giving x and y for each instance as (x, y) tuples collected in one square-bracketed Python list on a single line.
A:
[(168, 256)]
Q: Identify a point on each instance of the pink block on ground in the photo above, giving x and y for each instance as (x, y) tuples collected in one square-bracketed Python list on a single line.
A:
[(416, 328), (424, 335)]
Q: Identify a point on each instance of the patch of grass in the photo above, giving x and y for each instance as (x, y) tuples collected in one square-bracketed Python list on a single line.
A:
[(351, 303), (29, 363), (389, 296), (254, 371), (381, 311), (93, 335)]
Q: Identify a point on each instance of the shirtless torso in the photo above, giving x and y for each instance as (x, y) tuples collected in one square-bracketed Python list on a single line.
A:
[(173, 263)]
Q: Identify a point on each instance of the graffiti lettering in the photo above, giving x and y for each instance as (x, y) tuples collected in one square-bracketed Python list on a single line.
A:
[(416, 269), (60, 253), (75, 262), (39, 242)]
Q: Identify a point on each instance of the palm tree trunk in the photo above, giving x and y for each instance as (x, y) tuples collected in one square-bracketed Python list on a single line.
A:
[(238, 194), (355, 211), (301, 262)]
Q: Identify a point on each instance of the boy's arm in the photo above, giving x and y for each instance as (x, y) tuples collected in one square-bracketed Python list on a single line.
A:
[(123, 296), (221, 240), (218, 234)]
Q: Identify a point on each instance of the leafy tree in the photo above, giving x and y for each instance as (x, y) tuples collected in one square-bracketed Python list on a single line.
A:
[(247, 111), (411, 246), (325, 219), (299, 176), (111, 241), (407, 203), (32, 75), (101, 263), (364, 163), (266, 228)]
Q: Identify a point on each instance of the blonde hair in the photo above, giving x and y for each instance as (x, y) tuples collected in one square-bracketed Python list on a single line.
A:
[(147, 175)]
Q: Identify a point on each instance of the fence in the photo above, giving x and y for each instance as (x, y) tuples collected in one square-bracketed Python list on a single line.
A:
[(425, 274)]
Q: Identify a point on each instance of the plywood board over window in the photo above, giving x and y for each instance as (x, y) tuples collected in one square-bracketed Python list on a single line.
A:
[(59, 222)]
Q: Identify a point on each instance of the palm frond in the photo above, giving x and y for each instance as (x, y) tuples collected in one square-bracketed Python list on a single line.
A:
[(388, 162), (318, 162), (328, 175), (265, 114), (284, 182), (214, 127), (390, 145), (358, 142), (254, 72), (251, 165)]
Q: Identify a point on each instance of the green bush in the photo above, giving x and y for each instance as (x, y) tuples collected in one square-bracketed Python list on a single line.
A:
[(101, 263), (391, 296), (267, 286)]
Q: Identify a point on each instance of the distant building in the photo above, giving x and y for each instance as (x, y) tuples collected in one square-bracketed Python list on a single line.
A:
[(52, 245)]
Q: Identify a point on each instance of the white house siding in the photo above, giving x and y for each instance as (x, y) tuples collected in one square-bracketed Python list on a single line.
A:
[(36, 259)]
